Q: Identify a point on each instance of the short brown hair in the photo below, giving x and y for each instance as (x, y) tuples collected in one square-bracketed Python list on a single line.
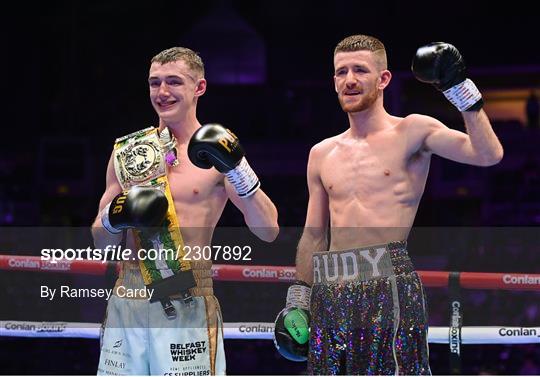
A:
[(190, 57), (362, 42)]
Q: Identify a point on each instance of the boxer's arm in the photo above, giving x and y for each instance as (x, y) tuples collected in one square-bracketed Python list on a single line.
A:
[(442, 65), (101, 236), (479, 146), (314, 236), (260, 214), (213, 145)]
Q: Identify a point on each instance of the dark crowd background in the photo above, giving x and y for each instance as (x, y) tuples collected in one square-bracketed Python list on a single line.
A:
[(75, 79)]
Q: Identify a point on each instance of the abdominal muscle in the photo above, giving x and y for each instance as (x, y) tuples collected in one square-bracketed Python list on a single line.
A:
[(355, 224), (373, 193)]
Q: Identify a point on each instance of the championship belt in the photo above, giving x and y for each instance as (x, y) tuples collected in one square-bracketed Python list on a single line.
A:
[(141, 159)]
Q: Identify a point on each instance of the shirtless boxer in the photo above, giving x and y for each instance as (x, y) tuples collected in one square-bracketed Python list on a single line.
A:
[(367, 305), (139, 338)]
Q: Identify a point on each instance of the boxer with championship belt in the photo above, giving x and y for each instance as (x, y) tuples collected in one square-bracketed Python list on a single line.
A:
[(166, 188), (140, 166)]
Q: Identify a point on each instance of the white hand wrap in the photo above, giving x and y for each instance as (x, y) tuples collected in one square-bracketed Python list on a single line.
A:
[(463, 95), (244, 179), (298, 296), (105, 221)]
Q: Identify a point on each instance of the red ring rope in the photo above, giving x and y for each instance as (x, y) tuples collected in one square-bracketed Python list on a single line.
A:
[(224, 272)]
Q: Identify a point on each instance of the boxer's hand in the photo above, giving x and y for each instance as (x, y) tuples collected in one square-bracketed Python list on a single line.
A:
[(140, 207), (291, 331), (441, 65), (215, 145)]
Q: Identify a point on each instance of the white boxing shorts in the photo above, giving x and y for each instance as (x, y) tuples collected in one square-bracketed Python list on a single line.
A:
[(138, 338)]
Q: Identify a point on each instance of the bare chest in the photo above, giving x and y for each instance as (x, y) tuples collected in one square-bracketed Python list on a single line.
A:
[(364, 168), (191, 185)]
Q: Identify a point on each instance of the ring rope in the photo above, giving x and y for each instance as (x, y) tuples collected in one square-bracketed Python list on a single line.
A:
[(286, 274), (265, 330)]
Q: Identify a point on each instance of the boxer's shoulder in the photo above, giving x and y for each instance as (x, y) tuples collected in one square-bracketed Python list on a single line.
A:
[(417, 121), (325, 146)]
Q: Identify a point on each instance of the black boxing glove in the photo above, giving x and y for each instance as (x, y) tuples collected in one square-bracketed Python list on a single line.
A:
[(291, 328), (215, 145), (441, 65), (140, 207)]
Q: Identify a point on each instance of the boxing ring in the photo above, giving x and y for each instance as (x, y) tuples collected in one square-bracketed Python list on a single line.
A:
[(453, 335)]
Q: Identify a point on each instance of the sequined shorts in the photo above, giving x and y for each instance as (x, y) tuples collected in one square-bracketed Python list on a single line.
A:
[(368, 313)]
